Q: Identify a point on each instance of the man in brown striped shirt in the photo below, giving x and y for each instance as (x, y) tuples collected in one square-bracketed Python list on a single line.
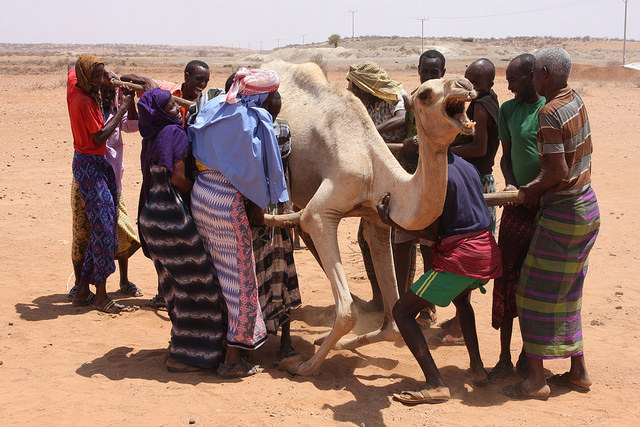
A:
[(549, 293)]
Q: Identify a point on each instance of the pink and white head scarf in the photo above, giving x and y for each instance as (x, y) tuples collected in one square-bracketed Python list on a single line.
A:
[(252, 82)]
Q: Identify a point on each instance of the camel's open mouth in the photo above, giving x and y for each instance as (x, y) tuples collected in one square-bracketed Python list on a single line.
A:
[(455, 108)]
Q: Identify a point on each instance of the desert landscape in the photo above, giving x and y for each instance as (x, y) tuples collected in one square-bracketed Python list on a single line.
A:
[(65, 365)]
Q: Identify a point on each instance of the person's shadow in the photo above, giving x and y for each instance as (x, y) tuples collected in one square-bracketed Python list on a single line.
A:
[(49, 307)]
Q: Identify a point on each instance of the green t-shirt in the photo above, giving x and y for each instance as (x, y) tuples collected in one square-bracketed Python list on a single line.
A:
[(518, 124)]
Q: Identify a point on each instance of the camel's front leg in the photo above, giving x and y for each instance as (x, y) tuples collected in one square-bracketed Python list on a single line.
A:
[(378, 237), (323, 228)]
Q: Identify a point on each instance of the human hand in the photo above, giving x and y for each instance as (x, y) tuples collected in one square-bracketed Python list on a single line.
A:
[(531, 196), (107, 76), (383, 208)]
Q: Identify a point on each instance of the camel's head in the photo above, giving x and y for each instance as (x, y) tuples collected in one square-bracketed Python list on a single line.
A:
[(439, 107)]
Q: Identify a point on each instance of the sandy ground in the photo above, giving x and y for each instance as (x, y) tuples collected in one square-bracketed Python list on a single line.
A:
[(62, 365)]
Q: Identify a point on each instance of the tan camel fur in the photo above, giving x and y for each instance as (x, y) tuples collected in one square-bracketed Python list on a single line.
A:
[(340, 167)]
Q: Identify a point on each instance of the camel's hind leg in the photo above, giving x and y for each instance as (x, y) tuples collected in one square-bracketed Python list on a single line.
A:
[(323, 228), (378, 237)]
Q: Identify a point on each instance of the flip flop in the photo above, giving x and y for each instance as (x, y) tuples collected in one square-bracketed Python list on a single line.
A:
[(130, 289), (286, 354), (111, 307), (240, 370), (517, 392), (564, 380), (175, 366), (500, 372), (444, 337), (83, 302), (428, 395), (480, 380), (158, 303)]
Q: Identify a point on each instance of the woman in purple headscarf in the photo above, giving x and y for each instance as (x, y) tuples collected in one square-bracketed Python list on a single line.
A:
[(170, 238)]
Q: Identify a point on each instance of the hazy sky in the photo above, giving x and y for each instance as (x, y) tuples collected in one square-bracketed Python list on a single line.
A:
[(248, 23)]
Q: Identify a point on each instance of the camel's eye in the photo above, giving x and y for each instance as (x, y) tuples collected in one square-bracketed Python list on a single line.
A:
[(425, 95)]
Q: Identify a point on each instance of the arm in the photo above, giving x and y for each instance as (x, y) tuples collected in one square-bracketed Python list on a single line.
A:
[(552, 174), (103, 134), (139, 80), (477, 148), (507, 166), (429, 233), (396, 122), (179, 178)]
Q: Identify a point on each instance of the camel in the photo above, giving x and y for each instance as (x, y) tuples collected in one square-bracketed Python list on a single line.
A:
[(340, 167)]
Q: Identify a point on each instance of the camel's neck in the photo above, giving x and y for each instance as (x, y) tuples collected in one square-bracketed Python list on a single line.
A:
[(420, 199)]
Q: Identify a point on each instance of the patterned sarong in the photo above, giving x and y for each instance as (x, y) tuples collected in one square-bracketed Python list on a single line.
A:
[(549, 294), (185, 273), (489, 186), (97, 185), (219, 213), (128, 242), (516, 229), (278, 289)]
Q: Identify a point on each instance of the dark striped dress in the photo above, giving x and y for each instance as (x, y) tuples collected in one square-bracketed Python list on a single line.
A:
[(185, 273)]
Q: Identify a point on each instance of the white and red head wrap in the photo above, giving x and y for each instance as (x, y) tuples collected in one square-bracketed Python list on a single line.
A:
[(252, 82)]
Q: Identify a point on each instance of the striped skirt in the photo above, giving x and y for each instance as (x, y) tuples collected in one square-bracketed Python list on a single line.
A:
[(128, 242), (549, 294), (276, 273), (219, 213), (185, 274), (97, 185)]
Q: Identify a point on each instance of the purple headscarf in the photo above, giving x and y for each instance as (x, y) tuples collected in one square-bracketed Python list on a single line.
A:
[(164, 140)]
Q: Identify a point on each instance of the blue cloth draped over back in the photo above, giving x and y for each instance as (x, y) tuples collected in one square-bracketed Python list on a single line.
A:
[(238, 140)]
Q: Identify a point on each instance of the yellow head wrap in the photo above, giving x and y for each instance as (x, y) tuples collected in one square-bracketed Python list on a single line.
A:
[(373, 79), (84, 68)]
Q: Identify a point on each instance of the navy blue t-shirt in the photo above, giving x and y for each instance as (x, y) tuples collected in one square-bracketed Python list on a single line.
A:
[(464, 207)]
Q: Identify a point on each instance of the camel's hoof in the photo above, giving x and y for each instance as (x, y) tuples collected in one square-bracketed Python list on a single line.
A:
[(296, 365)]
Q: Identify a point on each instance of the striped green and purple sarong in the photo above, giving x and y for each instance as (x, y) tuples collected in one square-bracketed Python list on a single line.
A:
[(549, 294)]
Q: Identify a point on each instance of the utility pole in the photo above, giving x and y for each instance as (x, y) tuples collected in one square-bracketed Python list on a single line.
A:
[(422, 25), (353, 19), (260, 46), (303, 36), (278, 40), (624, 43)]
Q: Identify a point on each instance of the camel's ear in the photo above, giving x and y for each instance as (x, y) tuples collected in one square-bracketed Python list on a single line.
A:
[(408, 102)]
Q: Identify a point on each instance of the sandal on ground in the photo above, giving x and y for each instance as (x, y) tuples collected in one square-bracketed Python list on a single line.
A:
[(428, 395), (158, 303), (285, 354), (131, 290), (427, 318), (240, 370), (444, 337), (501, 371), (564, 380), (174, 365), (479, 380), (111, 307), (518, 392), (86, 301), (72, 292)]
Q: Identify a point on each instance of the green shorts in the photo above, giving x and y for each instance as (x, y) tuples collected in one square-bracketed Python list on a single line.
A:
[(442, 288)]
